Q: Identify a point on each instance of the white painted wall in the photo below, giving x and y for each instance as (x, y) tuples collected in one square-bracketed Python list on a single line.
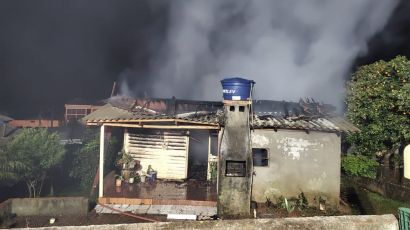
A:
[(298, 162)]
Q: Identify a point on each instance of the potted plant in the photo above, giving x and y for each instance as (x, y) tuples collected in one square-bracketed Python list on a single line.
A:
[(151, 173), (126, 160), (118, 180), (132, 177), (127, 163), (142, 177)]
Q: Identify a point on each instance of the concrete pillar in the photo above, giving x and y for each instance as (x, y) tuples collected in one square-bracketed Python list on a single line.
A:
[(101, 166), (406, 159), (208, 177), (235, 161)]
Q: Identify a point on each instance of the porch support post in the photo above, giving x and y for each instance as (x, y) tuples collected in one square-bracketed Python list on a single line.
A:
[(101, 173), (209, 156), (220, 133)]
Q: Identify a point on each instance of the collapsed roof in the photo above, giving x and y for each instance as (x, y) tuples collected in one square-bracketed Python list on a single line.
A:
[(302, 115)]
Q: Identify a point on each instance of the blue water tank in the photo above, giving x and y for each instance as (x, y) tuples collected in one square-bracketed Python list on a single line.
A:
[(237, 88)]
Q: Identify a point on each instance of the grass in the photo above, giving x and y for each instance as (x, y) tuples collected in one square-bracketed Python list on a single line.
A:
[(374, 203), (365, 202)]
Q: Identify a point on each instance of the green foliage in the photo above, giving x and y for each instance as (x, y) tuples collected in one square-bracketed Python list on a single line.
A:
[(9, 168), (86, 159), (30, 156), (213, 170), (125, 158), (7, 220), (283, 202), (378, 103), (358, 165), (375, 204), (290, 204), (85, 162), (302, 202)]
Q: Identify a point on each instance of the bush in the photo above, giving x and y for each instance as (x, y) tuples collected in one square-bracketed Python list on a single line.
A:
[(86, 159), (358, 165), (7, 220), (378, 104)]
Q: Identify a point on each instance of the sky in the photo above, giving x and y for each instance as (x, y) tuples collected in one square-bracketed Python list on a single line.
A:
[(52, 52)]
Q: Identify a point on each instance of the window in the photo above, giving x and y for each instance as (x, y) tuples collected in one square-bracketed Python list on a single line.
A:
[(235, 168), (232, 108), (242, 109), (260, 157)]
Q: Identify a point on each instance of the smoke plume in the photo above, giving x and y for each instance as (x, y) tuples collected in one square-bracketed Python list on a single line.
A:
[(291, 49), (54, 51)]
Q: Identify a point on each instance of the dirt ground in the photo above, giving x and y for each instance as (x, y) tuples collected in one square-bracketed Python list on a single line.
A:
[(91, 219), (264, 211)]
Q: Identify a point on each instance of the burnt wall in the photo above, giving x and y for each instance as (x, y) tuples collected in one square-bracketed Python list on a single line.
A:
[(298, 162)]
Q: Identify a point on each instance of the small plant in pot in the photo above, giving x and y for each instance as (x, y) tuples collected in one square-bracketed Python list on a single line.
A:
[(133, 175), (143, 176), (118, 180)]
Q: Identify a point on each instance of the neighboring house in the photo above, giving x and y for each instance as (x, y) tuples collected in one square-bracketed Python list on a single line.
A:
[(78, 108), (69, 133), (35, 123), (296, 147)]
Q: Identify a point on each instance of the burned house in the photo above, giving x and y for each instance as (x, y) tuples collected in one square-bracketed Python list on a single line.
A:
[(252, 150)]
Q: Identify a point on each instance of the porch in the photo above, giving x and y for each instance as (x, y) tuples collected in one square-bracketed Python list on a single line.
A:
[(160, 197), (160, 192), (169, 137)]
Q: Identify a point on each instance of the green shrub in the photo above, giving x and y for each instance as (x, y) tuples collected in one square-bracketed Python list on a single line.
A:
[(86, 159), (358, 165)]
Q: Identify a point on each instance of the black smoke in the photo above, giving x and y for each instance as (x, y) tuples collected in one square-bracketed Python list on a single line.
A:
[(53, 51), (393, 40)]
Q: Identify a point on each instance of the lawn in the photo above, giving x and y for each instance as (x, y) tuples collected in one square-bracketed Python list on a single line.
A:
[(374, 203)]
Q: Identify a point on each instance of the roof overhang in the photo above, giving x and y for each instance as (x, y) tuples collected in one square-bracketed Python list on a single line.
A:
[(155, 124)]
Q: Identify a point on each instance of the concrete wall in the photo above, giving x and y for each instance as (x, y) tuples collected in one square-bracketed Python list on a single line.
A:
[(382, 222), (49, 206), (383, 187), (298, 162)]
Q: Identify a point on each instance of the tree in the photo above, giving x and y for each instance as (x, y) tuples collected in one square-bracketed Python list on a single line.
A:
[(8, 168), (29, 156), (378, 102)]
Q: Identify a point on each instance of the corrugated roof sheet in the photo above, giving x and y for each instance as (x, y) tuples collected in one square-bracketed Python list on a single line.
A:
[(269, 114), (333, 124), (109, 113), (4, 118)]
